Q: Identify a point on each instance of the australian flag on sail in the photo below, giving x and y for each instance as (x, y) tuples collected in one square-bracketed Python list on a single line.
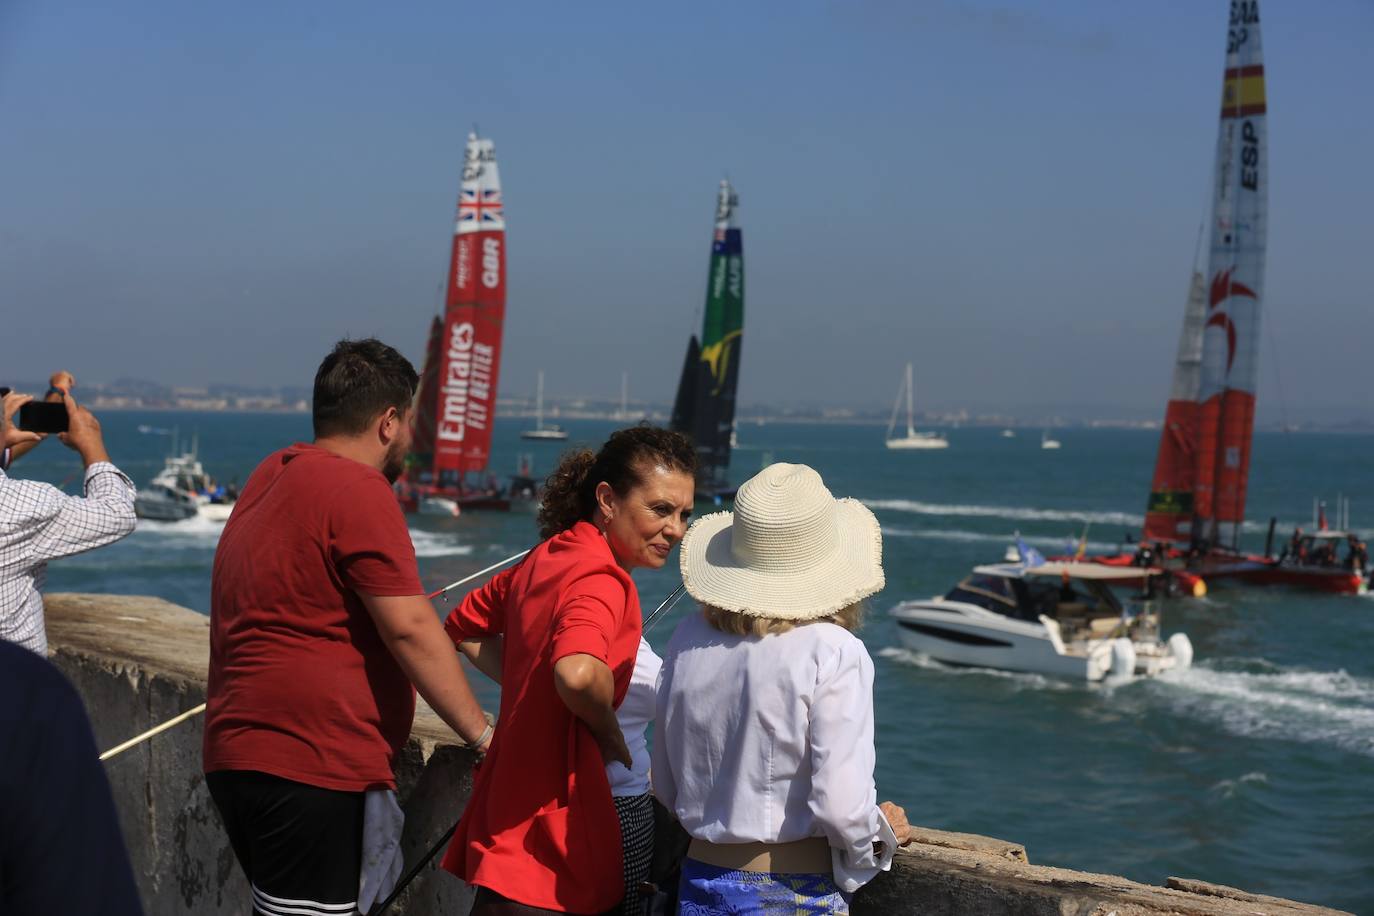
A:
[(479, 206)]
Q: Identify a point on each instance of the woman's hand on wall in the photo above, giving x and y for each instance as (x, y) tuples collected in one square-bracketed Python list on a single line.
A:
[(896, 817)]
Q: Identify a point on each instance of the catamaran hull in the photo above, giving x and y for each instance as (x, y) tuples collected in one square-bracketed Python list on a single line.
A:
[(1261, 571)]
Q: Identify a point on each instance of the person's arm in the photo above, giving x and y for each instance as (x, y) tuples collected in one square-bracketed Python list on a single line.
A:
[(843, 797), (590, 611), (411, 631), (484, 653), (586, 686)]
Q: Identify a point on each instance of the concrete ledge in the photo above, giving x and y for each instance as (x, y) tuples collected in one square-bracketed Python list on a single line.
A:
[(944, 880), (139, 661)]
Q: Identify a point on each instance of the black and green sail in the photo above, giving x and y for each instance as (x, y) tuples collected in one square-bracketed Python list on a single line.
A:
[(705, 404)]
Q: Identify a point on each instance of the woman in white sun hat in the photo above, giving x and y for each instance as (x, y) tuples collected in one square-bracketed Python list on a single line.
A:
[(764, 734)]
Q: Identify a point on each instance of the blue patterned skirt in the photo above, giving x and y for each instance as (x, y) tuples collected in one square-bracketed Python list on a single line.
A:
[(706, 889)]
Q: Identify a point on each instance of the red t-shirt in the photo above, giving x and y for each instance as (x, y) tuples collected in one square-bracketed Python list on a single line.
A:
[(301, 685), (540, 827)]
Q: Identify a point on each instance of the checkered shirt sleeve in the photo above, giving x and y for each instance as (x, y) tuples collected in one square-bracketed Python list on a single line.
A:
[(38, 523)]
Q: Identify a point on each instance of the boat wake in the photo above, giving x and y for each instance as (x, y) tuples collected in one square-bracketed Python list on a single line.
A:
[(1254, 699), (1016, 679), (197, 529), (980, 537), (1016, 513), (1033, 514), (201, 532), (434, 544)]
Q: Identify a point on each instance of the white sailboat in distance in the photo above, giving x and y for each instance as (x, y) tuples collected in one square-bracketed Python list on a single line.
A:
[(1047, 441), (912, 439), (540, 431)]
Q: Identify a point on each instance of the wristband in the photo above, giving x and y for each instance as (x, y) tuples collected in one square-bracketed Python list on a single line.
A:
[(483, 738), (5, 459)]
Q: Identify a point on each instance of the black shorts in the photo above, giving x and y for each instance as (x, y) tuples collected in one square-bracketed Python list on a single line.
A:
[(299, 845)]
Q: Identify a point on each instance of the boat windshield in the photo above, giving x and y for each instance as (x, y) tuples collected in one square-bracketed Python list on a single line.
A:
[(991, 593), (1070, 598)]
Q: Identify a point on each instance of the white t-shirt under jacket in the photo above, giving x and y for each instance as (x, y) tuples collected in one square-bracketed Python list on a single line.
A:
[(771, 740), (635, 713)]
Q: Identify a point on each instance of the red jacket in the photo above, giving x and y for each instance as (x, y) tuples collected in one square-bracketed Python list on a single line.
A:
[(540, 827)]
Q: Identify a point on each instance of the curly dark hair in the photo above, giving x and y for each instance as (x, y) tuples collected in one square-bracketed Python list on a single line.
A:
[(570, 491)]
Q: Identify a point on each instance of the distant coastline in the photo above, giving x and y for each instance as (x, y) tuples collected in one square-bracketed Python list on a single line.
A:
[(139, 394)]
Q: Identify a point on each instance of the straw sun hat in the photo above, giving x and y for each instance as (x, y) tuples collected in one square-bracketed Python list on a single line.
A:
[(789, 551)]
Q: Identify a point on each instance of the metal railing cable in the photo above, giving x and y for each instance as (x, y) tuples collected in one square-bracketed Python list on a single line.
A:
[(197, 710)]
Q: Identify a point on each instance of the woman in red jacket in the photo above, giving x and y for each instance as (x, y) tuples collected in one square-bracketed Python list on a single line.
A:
[(540, 833)]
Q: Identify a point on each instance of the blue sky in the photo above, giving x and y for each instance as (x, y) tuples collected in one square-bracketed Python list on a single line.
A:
[(1006, 193)]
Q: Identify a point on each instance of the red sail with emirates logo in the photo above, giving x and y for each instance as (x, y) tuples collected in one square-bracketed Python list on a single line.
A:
[(1235, 289), (474, 311)]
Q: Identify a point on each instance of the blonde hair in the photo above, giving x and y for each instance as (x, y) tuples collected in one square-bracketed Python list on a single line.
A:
[(737, 624)]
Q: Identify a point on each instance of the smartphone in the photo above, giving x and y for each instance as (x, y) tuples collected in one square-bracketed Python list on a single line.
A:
[(43, 417)]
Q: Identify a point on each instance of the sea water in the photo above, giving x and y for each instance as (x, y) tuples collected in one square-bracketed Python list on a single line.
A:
[(1255, 768)]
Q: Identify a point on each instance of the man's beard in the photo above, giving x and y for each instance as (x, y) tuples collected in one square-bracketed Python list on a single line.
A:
[(395, 462)]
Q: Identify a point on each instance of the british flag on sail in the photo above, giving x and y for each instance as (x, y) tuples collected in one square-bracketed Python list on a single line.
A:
[(480, 208)]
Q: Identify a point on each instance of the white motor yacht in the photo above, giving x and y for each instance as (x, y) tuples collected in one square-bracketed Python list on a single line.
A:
[(1058, 619)]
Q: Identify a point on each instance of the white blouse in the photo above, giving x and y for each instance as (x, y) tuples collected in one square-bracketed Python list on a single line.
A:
[(771, 740), (634, 714)]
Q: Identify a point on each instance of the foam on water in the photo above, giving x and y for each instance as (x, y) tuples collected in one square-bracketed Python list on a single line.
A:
[(978, 537), (1018, 679), (1032, 514), (437, 544), (1326, 707), (1228, 788), (201, 532), (1017, 513), (195, 531)]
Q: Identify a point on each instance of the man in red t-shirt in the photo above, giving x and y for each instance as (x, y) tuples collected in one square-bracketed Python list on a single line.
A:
[(318, 628)]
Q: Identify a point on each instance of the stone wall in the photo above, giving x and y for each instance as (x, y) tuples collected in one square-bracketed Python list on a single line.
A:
[(140, 661)]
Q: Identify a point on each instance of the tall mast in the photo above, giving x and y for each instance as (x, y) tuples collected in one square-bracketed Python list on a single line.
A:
[(910, 429), (539, 401)]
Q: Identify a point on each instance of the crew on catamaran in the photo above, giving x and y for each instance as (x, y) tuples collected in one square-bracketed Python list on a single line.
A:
[(318, 628), (763, 741), (539, 833)]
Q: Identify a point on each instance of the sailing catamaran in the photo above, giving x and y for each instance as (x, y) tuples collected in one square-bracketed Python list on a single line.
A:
[(552, 432), (456, 403), (1197, 495), (705, 405), (912, 439)]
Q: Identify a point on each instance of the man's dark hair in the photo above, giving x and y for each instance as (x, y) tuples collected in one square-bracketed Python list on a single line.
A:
[(357, 381)]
